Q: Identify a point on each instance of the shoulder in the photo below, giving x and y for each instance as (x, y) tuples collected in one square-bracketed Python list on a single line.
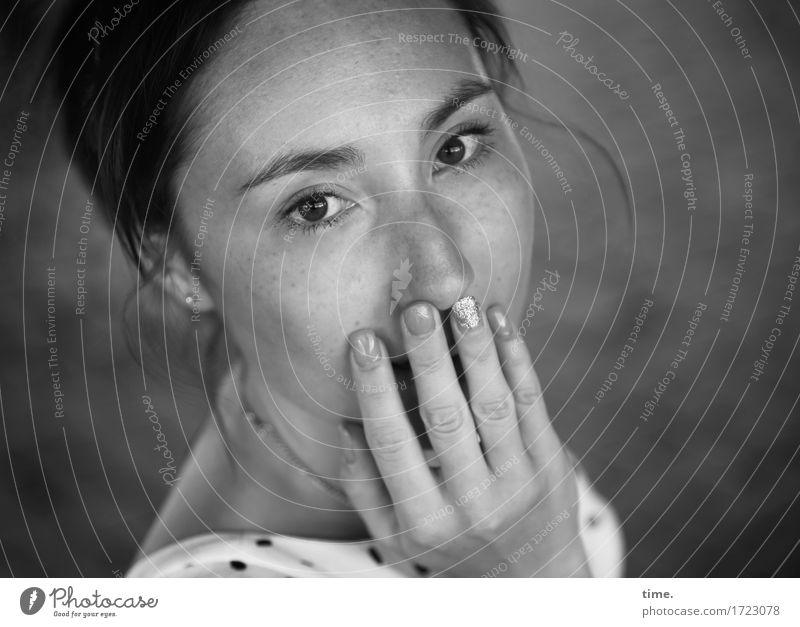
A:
[(600, 529), (251, 554)]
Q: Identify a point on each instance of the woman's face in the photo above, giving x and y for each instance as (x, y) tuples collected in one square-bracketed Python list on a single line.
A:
[(344, 182)]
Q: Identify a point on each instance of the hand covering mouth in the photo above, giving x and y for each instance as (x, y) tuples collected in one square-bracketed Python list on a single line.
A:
[(404, 378), (401, 360)]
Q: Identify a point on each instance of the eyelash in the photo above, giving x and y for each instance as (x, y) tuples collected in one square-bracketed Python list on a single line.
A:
[(325, 190), (479, 129)]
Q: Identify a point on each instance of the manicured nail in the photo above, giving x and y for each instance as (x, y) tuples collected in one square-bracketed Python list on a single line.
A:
[(419, 319), (500, 322), (367, 350), (348, 451), (467, 313)]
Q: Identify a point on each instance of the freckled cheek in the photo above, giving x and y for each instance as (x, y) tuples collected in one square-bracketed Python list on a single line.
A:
[(505, 223), (516, 198), (256, 296), (503, 240), (304, 311), (520, 223)]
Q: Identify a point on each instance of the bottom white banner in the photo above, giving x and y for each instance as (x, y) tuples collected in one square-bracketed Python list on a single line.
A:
[(379, 602)]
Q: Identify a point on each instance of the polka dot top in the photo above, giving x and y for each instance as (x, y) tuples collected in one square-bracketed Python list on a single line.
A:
[(252, 554)]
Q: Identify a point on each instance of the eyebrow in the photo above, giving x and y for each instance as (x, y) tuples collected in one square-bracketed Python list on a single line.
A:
[(464, 92), (306, 161), (347, 156)]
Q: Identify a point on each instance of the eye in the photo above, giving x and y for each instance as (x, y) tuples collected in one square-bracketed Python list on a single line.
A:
[(320, 207), (464, 148), (457, 149)]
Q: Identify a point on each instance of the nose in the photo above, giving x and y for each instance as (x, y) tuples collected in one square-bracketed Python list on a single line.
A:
[(429, 246)]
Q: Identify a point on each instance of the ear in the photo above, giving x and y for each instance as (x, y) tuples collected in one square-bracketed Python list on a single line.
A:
[(185, 283)]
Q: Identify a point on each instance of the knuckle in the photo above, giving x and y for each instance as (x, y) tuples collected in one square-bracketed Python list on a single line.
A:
[(527, 396), (493, 410), (444, 419), (479, 353), (429, 536), (485, 354), (389, 443), (428, 362), (488, 527), (517, 355)]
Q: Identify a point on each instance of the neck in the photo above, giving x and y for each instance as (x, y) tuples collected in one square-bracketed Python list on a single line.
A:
[(234, 481), (280, 438), (267, 486), (214, 494)]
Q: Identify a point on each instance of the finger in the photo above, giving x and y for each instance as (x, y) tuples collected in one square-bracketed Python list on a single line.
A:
[(369, 496), (442, 405), (538, 436), (390, 437), (361, 481), (490, 397)]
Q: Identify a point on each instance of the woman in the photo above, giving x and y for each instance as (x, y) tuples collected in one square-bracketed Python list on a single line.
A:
[(332, 198)]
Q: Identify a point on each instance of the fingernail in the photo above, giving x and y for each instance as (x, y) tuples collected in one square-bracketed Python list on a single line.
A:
[(500, 322), (467, 313), (367, 350), (419, 319), (348, 452)]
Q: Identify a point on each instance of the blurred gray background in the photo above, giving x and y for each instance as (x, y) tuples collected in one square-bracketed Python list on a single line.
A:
[(708, 485)]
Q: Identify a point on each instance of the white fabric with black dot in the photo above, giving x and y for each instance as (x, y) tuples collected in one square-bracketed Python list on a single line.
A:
[(251, 554)]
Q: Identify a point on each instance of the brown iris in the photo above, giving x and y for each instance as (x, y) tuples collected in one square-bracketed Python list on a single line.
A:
[(452, 152), (314, 208)]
